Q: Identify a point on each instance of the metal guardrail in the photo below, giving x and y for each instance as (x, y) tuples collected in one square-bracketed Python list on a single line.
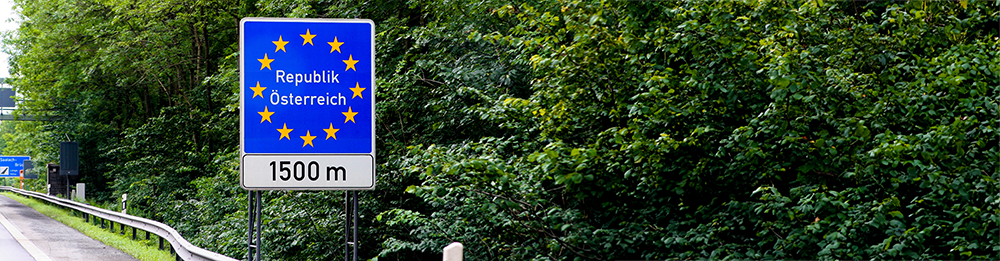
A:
[(184, 249)]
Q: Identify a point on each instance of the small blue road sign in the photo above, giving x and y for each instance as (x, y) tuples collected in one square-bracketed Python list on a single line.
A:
[(11, 166), (307, 104)]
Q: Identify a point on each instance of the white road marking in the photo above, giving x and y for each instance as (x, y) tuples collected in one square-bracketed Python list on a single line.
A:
[(30, 247)]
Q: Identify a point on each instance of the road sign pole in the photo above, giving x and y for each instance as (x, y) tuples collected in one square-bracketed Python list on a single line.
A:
[(347, 226), (260, 224), (251, 213), (350, 225), (355, 237), (254, 210)]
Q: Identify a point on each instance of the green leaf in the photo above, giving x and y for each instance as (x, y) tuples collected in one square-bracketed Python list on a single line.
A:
[(782, 82)]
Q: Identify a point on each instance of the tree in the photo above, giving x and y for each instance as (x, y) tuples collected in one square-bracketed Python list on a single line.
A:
[(558, 129)]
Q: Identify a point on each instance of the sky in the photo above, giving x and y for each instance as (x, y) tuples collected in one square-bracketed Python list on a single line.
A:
[(6, 14)]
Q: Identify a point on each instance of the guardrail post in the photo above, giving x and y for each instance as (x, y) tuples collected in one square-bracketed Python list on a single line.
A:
[(161, 243), (147, 235)]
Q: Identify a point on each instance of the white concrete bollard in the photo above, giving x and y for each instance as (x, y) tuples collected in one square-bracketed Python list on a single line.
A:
[(81, 191), (453, 252)]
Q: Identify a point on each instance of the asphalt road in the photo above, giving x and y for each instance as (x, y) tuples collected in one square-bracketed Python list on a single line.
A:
[(10, 248), (52, 239)]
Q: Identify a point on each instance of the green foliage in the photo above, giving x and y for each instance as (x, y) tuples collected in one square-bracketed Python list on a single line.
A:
[(558, 130), (759, 130)]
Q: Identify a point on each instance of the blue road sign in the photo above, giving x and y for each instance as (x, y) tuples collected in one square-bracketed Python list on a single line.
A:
[(307, 92), (11, 166)]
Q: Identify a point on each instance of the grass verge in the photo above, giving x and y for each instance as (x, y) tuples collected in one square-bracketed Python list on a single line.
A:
[(146, 250)]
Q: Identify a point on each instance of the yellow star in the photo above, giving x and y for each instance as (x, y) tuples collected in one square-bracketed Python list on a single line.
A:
[(350, 115), (331, 132), (284, 131), (265, 62), (266, 115), (281, 44), (258, 91), (357, 91), (307, 38), (335, 45), (308, 140), (350, 63)]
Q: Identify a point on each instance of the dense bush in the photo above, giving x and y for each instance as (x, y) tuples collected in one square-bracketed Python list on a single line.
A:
[(559, 129)]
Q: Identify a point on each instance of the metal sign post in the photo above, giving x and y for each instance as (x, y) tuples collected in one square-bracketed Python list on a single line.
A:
[(307, 118), (253, 234), (350, 225)]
